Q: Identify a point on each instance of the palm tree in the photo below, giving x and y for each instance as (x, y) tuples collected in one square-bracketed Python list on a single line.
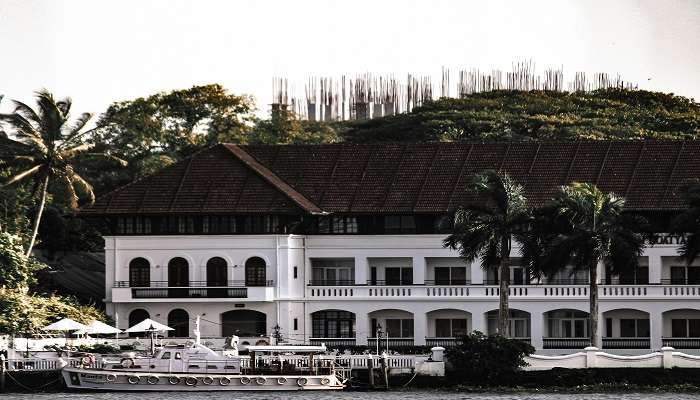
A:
[(588, 227), (48, 148), (688, 223), (484, 230)]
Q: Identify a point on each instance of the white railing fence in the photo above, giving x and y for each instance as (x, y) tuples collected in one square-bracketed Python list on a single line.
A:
[(592, 357)]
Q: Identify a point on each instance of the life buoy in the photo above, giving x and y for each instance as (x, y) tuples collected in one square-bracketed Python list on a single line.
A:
[(281, 380), (245, 380), (133, 379), (302, 381), (207, 380), (260, 380), (325, 381), (152, 380), (174, 380), (111, 378), (224, 381), (127, 363), (86, 360), (190, 381)]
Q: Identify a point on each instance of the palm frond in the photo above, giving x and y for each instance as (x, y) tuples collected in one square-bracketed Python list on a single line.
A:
[(22, 175), (87, 188)]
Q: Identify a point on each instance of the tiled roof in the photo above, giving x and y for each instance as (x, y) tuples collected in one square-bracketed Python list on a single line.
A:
[(400, 178)]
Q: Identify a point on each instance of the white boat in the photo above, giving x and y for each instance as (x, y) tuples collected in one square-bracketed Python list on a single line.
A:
[(198, 368)]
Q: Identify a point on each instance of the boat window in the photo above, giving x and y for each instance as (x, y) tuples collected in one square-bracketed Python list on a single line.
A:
[(178, 356), (193, 366), (166, 355)]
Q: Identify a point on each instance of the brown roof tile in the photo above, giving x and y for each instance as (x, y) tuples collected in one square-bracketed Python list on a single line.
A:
[(400, 178)]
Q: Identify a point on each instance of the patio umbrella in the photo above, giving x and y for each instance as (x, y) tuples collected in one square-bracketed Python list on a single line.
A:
[(151, 326), (65, 325), (98, 328)]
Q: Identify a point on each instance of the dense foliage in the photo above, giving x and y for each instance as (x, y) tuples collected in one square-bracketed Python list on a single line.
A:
[(16, 269), (22, 311), (537, 115), (487, 359)]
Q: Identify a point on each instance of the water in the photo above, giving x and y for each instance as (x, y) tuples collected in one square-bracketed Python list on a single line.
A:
[(399, 395)]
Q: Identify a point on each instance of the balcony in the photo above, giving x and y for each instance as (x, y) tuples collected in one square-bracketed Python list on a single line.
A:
[(391, 343), (565, 343), (442, 341), (194, 291), (681, 342), (626, 343), (332, 343)]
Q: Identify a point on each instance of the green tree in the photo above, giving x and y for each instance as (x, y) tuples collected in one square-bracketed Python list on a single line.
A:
[(589, 227), (688, 223), (487, 228), (16, 269), (48, 149), (284, 127)]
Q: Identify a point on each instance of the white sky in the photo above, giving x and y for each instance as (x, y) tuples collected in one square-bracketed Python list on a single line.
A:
[(98, 52)]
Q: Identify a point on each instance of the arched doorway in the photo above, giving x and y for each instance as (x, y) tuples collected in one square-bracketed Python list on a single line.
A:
[(518, 323), (243, 323), (139, 273), (566, 329), (333, 324), (137, 316), (179, 320), (255, 272), (178, 276)]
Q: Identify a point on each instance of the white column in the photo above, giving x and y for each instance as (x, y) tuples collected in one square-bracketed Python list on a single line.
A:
[(362, 328), (656, 329), (654, 268), (536, 330), (111, 274), (479, 321), (477, 273), (418, 270), (420, 328), (361, 270)]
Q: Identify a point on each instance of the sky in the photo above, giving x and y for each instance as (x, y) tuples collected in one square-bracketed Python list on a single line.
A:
[(99, 52)]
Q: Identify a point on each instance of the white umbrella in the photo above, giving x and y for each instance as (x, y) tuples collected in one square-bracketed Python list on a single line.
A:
[(66, 324), (149, 325), (98, 328)]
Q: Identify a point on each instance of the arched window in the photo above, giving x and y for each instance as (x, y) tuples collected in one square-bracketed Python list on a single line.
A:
[(179, 320), (178, 272), (139, 273), (216, 272), (333, 324), (243, 323), (137, 316), (255, 272)]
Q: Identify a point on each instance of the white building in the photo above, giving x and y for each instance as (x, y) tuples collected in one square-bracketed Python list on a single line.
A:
[(332, 241)]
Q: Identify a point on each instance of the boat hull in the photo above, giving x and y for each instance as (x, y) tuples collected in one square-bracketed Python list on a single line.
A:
[(91, 379)]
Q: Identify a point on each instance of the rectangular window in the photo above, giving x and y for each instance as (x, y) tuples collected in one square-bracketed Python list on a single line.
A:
[(643, 328), (295, 272), (181, 224), (350, 224), (442, 276), (628, 328), (678, 275), (643, 275), (459, 327), (399, 224), (693, 275), (296, 324), (443, 328), (373, 275), (147, 225), (518, 276), (205, 224), (399, 276), (190, 225), (459, 275), (129, 227), (399, 328), (679, 328), (323, 225), (338, 225), (694, 328), (608, 327), (138, 225), (120, 225)]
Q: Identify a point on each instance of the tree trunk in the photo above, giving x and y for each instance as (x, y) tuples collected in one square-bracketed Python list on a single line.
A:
[(37, 217), (593, 298), (504, 289)]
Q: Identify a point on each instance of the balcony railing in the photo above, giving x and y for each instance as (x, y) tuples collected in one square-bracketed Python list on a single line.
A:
[(448, 282), (180, 293), (565, 343), (626, 343), (679, 281), (681, 343), (393, 343), (195, 284), (332, 282), (333, 342), (442, 341)]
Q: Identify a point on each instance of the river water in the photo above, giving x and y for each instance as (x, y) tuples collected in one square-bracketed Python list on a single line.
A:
[(397, 395)]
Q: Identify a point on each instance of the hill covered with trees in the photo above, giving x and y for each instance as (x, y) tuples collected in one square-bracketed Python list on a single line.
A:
[(537, 115)]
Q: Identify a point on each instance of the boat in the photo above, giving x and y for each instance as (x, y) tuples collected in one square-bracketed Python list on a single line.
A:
[(196, 367)]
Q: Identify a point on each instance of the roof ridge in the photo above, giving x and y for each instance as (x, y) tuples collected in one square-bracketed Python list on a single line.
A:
[(272, 178)]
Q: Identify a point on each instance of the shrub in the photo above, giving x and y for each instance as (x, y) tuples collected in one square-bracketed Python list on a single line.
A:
[(485, 359)]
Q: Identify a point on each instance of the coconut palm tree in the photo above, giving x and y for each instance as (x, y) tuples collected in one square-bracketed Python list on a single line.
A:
[(688, 223), (487, 229), (588, 227), (48, 148)]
